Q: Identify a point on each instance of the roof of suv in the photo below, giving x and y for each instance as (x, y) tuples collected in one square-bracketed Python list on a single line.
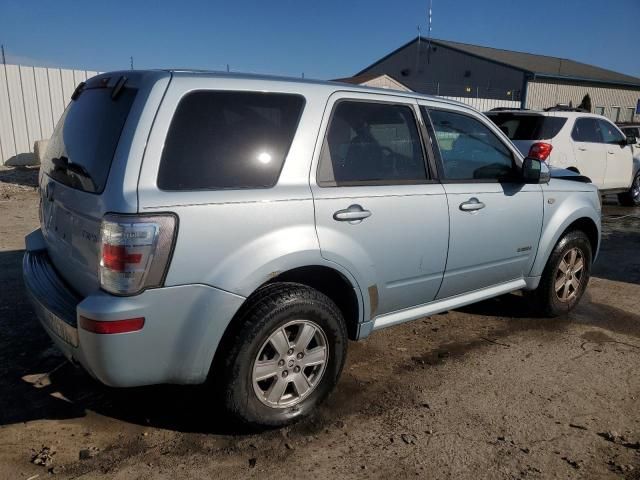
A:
[(330, 85)]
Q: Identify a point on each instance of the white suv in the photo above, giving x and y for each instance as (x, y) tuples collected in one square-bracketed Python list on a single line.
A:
[(585, 143)]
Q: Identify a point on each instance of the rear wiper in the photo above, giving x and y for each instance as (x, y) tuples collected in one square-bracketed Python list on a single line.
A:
[(63, 163)]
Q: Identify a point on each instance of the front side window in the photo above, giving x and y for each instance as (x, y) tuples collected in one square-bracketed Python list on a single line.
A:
[(371, 144), (228, 140), (469, 149), (610, 134), (586, 130)]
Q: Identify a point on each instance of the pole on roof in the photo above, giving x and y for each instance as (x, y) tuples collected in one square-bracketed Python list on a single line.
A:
[(227, 68), (4, 60), (131, 62), (429, 33)]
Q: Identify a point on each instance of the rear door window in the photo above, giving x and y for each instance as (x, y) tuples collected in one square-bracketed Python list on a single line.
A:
[(228, 140), (528, 127), (586, 130), (81, 149), (371, 144)]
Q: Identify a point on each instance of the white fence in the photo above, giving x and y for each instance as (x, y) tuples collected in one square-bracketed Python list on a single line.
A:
[(486, 104), (32, 100)]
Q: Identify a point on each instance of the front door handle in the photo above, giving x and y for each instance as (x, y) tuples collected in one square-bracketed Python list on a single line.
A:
[(582, 149), (472, 205), (354, 214)]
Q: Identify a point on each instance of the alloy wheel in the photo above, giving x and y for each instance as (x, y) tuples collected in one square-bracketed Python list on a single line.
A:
[(569, 275), (290, 364)]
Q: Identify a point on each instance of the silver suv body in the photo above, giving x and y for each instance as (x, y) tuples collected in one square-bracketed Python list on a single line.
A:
[(236, 228)]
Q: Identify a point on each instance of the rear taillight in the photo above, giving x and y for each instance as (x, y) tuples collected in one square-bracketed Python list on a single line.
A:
[(540, 151), (135, 251)]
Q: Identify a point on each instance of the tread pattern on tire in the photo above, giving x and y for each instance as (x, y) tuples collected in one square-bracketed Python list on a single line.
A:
[(252, 316)]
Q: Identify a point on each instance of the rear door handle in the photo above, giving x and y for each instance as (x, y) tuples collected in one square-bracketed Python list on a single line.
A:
[(472, 205), (582, 149), (354, 214)]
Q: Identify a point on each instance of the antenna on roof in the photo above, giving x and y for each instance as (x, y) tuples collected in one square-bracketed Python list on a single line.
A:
[(429, 32), (131, 62), (4, 60)]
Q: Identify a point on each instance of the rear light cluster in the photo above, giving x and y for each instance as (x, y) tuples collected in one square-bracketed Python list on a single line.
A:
[(135, 251), (540, 151)]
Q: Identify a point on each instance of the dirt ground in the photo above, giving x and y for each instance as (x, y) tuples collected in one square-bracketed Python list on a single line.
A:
[(482, 392)]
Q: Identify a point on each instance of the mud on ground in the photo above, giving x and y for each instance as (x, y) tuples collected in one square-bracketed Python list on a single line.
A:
[(487, 391)]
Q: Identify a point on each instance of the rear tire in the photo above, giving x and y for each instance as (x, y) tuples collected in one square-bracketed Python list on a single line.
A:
[(565, 276), (632, 197), (282, 330)]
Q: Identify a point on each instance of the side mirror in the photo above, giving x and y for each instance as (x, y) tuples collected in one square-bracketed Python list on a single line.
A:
[(631, 140), (535, 171)]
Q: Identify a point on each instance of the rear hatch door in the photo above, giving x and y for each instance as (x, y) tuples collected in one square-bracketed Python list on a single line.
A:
[(74, 177)]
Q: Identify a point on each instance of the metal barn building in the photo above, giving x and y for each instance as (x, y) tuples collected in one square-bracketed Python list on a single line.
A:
[(467, 72)]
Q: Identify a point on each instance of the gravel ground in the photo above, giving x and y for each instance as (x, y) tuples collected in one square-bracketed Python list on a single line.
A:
[(487, 391)]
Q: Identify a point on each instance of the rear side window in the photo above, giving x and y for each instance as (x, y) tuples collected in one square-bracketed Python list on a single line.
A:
[(228, 140), (468, 149), (528, 127), (610, 134), (371, 144), (81, 149), (586, 130)]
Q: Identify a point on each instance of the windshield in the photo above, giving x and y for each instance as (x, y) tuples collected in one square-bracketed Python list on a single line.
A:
[(528, 127), (81, 149)]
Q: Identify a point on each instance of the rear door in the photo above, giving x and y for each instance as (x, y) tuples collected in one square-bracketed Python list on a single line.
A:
[(495, 220), (590, 152), (619, 171), (378, 211)]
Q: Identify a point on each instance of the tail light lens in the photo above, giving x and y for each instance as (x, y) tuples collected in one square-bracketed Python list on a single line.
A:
[(135, 251), (540, 151)]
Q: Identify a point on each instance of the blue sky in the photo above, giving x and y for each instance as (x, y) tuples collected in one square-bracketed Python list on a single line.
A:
[(324, 39)]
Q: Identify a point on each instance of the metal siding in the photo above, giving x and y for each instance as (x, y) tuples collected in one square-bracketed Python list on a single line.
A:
[(32, 99), (17, 109), (543, 94), (44, 101), (485, 104), (68, 85), (7, 142), (55, 90)]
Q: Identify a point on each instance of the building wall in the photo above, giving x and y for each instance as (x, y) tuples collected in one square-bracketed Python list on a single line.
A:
[(448, 72), (548, 93), (32, 100)]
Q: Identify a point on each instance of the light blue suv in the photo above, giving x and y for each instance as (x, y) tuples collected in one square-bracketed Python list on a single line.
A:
[(238, 230)]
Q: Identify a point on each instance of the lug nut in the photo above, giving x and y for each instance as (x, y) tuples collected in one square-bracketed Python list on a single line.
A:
[(300, 355), (297, 369), (285, 373), (281, 363), (290, 351)]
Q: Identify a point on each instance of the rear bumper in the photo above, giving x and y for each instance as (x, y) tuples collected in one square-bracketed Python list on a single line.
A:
[(183, 326)]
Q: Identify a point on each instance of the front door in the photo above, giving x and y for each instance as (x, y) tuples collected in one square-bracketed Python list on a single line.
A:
[(495, 223), (378, 212), (589, 151)]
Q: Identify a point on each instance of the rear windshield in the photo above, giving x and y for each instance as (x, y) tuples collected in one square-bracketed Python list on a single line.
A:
[(528, 127), (80, 152), (228, 140)]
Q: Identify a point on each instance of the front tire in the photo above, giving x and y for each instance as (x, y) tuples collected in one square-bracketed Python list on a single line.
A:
[(285, 356), (565, 276), (632, 197)]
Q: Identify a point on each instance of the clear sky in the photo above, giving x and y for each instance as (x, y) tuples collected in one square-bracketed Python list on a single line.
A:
[(322, 38)]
